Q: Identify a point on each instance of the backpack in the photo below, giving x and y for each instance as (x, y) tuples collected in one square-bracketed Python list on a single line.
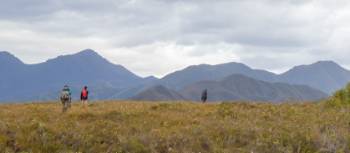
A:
[(84, 93), (65, 95)]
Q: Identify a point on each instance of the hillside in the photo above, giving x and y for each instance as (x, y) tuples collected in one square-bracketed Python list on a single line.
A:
[(138, 127), (158, 93), (240, 87)]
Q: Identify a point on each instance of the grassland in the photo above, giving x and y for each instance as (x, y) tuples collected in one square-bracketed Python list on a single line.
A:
[(141, 127)]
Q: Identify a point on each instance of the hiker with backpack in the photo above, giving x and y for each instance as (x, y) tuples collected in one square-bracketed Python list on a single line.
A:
[(66, 98), (84, 96), (204, 96)]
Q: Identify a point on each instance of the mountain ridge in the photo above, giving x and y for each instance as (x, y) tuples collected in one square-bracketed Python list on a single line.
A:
[(180, 78), (36, 81)]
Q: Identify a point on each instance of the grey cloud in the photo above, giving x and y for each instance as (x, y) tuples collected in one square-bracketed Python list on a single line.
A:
[(254, 30), (262, 23)]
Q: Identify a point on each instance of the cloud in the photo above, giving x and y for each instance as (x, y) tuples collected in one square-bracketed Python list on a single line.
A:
[(166, 56), (172, 34)]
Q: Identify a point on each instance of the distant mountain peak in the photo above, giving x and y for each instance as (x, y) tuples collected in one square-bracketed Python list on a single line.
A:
[(8, 58), (6, 54), (324, 63), (216, 65), (233, 63), (319, 64), (87, 52), (151, 78)]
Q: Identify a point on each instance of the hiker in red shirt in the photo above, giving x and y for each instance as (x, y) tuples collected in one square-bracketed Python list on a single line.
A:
[(84, 96)]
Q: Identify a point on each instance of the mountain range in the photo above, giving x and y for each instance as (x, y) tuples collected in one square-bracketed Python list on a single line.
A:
[(326, 76), (43, 81)]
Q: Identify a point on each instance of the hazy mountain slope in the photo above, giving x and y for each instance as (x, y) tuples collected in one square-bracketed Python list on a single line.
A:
[(7, 59), (130, 92), (327, 76), (158, 93), (192, 74), (11, 71), (239, 87)]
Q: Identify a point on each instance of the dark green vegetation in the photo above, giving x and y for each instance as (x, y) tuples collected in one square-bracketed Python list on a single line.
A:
[(340, 98), (140, 127)]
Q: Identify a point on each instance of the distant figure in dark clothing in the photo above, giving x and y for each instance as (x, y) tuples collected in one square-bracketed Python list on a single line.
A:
[(204, 96), (84, 96)]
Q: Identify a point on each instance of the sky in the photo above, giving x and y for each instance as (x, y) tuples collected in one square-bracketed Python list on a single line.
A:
[(156, 37)]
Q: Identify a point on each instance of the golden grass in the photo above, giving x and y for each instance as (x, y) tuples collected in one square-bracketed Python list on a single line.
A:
[(179, 127)]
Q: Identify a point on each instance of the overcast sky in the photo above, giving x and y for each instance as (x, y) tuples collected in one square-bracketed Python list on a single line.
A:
[(155, 37)]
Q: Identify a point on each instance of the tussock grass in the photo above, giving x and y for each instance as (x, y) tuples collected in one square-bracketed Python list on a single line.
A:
[(178, 127)]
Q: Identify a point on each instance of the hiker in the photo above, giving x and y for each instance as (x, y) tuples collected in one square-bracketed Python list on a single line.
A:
[(84, 96), (204, 96), (66, 98)]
